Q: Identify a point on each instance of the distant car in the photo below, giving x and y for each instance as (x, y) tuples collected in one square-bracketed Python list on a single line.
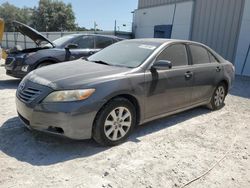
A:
[(128, 83), (20, 62)]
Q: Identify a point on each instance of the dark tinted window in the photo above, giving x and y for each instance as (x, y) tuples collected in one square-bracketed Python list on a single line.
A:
[(102, 42), (85, 42), (176, 53), (212, 58), (199, 54)]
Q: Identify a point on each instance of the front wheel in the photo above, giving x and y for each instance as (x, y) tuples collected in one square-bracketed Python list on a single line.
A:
[(114, 122), (218, 98)]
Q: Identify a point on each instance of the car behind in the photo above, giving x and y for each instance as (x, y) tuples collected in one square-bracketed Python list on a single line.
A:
[(22, 61)]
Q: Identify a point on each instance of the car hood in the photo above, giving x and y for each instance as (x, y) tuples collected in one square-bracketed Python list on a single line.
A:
[(75, 74), (31, 33)]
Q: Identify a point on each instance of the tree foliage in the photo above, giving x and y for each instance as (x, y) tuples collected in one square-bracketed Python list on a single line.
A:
[(53, 15), (9, 13), (50, 15)]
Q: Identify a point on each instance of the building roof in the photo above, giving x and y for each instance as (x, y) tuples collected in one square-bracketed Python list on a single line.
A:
[(152, 3)]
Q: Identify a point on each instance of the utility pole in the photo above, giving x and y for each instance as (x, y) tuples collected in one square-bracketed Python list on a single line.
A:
[(115, 28), (95, 26)]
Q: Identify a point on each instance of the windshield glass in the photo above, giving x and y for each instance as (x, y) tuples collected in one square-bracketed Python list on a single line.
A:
[(60, 41), (127, 53)]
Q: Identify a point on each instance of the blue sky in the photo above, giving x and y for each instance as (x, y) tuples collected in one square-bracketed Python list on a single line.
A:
[(104, 12)]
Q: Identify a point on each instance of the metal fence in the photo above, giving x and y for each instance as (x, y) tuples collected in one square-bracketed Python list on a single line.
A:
[(11, 39)]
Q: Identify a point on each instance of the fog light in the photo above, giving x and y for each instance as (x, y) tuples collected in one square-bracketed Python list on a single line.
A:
[(25, 68)]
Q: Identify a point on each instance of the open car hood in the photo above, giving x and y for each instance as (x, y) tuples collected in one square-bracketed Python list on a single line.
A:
[(31, 33)]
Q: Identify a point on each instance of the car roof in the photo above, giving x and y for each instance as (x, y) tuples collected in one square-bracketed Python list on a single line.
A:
[(163, 41), (86, 34)]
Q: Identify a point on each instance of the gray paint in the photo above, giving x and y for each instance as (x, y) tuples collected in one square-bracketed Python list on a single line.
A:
[(151, 88), (217, 23)]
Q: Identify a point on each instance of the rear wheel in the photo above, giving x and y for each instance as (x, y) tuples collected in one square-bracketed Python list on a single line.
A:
[(114, 122), (218, 98)]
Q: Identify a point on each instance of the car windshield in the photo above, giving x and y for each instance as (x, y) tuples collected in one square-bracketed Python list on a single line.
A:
[(126, 53), (60, 41)]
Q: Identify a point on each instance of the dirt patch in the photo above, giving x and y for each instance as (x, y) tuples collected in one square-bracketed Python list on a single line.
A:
[(166, 153)]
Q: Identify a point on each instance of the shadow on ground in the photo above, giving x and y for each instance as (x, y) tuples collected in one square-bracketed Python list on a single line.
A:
[(40, 149), (9, 84)]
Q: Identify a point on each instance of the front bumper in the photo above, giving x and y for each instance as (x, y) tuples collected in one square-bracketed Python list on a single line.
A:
[(14, 65), (53, 119), (16, 72)]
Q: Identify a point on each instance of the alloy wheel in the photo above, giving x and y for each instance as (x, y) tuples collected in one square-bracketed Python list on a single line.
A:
[(117, 123), (219, 96)]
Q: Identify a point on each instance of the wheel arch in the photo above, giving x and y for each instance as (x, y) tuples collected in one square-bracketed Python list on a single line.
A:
[(225, 82), (130, 98), (49, 59)]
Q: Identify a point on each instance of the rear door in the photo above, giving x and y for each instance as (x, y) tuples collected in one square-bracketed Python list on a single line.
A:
[(169, 90), (206, 71)]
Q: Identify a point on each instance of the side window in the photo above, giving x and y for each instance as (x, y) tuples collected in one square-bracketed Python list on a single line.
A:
[(212, 58), (102, 42), (176, 53), (85, 42), (199, 54)]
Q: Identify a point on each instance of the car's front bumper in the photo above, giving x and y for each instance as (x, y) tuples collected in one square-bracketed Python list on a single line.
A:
[(14, 67), (57, 120), (17, 73)]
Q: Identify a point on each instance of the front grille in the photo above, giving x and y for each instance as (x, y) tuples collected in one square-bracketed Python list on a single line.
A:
[(28, 94)]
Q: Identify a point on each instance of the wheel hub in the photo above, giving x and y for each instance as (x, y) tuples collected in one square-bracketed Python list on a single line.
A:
[(117, 123)]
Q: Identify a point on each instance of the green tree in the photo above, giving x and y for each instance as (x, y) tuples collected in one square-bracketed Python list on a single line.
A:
[(53, 15), (9, 13)]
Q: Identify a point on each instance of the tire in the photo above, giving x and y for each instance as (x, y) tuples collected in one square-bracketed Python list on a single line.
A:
[(218, 98), (43, 64), (114, 122)]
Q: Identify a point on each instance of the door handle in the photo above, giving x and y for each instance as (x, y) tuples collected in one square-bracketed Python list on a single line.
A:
[(218, 69), (188, 74)]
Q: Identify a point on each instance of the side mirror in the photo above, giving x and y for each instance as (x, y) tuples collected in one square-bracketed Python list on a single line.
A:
[(71, 46), (162, 65)]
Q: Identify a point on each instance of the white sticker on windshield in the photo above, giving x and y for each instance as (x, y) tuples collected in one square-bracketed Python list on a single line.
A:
[(149, 47)]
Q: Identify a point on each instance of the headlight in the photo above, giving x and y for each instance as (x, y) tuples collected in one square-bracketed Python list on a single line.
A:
[(69, 95)]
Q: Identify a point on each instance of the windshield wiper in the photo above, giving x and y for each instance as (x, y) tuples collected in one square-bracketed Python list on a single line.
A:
[(101, 62)]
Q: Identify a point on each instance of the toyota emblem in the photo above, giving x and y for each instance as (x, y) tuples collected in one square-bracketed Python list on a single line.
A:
[(21, 86)]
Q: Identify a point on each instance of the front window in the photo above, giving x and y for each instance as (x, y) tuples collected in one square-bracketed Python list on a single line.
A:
[(102, 42), (176, 53), (126, 53), (85, 42)]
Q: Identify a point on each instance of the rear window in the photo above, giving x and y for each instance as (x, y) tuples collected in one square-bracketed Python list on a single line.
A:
[(199, 55)]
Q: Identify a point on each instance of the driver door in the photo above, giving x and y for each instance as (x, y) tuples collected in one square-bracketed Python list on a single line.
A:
[(85, 47), (169, 90)]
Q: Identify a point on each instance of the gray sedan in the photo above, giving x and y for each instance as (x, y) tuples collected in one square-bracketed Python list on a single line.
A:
[(124, 85)]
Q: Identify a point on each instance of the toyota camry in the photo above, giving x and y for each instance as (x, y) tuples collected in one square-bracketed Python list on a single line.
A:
[(124, 85)]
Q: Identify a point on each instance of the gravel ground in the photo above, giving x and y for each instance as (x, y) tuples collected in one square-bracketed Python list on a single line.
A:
[(165, 153)]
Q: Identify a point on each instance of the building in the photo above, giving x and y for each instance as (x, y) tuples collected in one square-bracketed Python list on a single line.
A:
[(224, 25)]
